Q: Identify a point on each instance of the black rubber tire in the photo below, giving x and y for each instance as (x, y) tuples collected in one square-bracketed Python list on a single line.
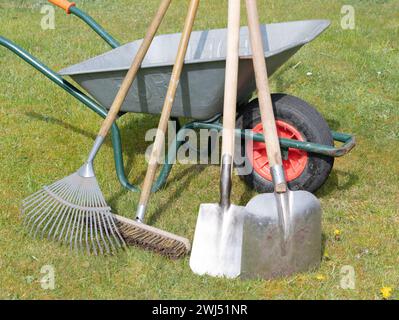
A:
[(309, 123)]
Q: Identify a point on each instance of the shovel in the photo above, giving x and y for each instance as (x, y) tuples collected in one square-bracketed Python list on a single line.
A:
[(216, 249), (281, 230)]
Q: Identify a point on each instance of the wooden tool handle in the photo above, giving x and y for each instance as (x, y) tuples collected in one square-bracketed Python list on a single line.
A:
[(130, 76), (262, 83), (169, 100), (231, 78), (63, 4)]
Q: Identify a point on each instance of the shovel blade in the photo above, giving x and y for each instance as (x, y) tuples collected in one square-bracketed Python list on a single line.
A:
[(217, 243), (263, 255)]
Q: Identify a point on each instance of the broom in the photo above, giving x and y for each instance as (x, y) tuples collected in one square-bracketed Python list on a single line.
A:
[(135, 231), (73, 210)]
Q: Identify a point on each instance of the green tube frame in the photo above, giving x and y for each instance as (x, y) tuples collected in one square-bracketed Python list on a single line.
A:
[(95, 26)]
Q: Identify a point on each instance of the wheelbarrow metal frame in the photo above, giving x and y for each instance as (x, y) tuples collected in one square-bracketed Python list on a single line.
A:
[(211, 124), (113, 43)]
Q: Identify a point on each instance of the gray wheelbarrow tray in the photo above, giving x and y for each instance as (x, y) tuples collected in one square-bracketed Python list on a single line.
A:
[(201, 89)]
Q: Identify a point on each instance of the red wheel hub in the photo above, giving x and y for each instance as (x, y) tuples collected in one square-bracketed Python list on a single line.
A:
[(294, 164)]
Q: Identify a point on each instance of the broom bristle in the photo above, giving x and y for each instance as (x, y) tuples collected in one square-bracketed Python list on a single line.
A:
[(74, 211), (153, 239)]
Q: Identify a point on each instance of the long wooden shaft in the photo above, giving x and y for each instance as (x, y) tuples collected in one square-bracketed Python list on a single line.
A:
[(167, 108), (231, 78), (262, 83), (131, 75), (230, 102)]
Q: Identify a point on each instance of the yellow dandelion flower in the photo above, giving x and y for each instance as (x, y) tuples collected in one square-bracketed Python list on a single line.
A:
[(326, 257), (337, 234), (386, 292), (320, 277)]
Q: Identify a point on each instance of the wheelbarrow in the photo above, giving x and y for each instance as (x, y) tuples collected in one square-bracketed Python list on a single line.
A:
[(307, 143)]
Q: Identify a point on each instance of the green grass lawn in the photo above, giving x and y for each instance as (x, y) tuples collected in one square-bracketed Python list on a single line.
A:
[(45, 135)]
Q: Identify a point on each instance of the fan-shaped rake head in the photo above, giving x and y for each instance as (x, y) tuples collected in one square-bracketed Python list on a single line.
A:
[(73, 211)]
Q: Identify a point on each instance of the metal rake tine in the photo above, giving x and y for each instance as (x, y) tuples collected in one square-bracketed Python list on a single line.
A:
[(54, 216), (112, 226), (32, 209), (50, 215), (59, 217), (46, 203), (113, 229), (87, 234), (98, 225), (107, 225), (53, 221), (102, 201), (29, 198), (97, 200), (54, 185), (71, 231), (68, 229), (35, 197), (80, 223), (68, 217), (45, 199), (35, 225), (86, 223), (107, 233), (78, 245), (63, 213), (121, 242), (66, 223), (80, 230), (27, 212), (28, 202), (53, 210), (101, 227), (42, 217), (90, 222), (96, 232), (80, 196), (91, 235)]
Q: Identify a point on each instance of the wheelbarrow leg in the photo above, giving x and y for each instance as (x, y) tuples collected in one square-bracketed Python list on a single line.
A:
[(118, 157)]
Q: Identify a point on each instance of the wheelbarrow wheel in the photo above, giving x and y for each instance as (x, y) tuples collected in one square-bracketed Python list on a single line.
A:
[(297, 120)]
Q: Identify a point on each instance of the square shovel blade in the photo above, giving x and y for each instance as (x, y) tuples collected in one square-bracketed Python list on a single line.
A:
[(263, 255), (217, 243)]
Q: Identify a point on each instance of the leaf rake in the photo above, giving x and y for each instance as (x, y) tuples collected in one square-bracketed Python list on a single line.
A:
[(73, 210)]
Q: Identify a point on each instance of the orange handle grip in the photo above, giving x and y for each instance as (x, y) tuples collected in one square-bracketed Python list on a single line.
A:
[(63, 4)]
